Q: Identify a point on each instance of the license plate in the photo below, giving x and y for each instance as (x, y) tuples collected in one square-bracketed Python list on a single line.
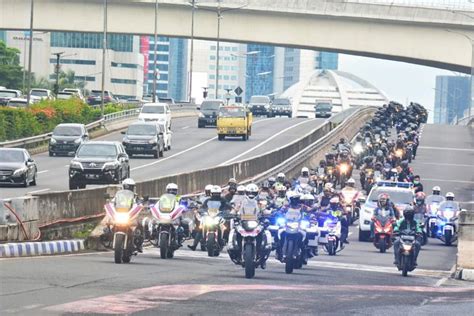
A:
[(312, 242), (92, 176), (139, 148), (231, 132)]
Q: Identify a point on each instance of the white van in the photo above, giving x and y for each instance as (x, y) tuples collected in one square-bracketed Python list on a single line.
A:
[(159, 112)]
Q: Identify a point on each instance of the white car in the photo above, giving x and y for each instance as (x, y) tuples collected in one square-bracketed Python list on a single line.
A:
[(400, 193), (166, 136), (42, 93), (158, 112), (76, 92)]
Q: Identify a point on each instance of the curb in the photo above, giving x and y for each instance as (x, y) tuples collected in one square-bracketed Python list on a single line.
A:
[(465, 274), (27, 249)]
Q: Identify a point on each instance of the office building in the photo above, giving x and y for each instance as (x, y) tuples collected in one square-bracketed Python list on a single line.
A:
[(452, 98), (327, 60), (259, 70)]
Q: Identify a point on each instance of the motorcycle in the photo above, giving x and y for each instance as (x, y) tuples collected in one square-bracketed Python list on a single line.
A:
[(383, 231), (357, 153), (213, 227), (166, 230), (407, 252), (351, 205), (123, 212), (447, 223), (330, 176), (292, 237), (432, 218), (330, 235), (421, 219), (343, 172), (249, 243)]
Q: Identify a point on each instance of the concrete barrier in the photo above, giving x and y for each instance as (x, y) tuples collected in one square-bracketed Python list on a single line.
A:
[(465, 259)]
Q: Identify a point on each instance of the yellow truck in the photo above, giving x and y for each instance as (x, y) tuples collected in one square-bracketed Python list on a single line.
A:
[(234, 121)]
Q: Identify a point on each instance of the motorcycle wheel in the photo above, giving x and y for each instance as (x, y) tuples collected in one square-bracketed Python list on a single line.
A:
[(404, 264), (118, 250), (249, 264), (164, 246), (382, 245), (211, 244), (448, 238), (331, 247), (126, 258), (289, 264)]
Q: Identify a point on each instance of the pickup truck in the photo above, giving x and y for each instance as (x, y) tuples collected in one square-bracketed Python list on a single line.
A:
[(234, 121)]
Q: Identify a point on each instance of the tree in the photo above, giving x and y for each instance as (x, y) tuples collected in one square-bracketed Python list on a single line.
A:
[(67, 80), (11, 73)]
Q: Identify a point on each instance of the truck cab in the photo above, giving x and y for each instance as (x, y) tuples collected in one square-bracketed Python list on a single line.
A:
[(234, 121)]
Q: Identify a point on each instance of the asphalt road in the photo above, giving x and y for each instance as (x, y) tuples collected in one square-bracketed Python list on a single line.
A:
[(446, 158), (192, 149), (358, 281)]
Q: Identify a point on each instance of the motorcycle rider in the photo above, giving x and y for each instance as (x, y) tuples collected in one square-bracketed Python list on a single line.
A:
[(326, 196), (231, 191), (231, 184), (405, 173), (407, 223), (271, 182), (368, 164), (417, 184), (280, 199), (336, 209), (436, 197), (238, 197), (172, 188), (420, 206), (207, 193), (265, 192), (129, 184), (280, 179), (449, 203), (304, 176), (383, 204)]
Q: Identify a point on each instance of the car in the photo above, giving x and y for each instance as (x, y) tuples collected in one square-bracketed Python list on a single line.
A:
[(76, 92), (18, 103), (156, 112), (65, 95), (144, 138), (98, 162), (17, 167), (280, 107), (95, 97), (208, 111), (400, 193), (260, 104), (169, 101), (323, 109), (43, 94), (7, 94), (66, 138)]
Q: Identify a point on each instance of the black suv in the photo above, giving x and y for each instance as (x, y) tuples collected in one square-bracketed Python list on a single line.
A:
[(280, 107), (17, 167), (66, 138), (142, 138), (98, 162), (208, 114), (95, 98)]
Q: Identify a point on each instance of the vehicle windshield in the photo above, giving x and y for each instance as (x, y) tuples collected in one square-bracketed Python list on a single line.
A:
[(397, 197), (64, 96), (323, 106), (11, 156), (281, 102), (7, 94), (232, 112), (167, 203), (18, 104), (98, 93), (142, 130), (124, 200), (259, 99), (210, 105), (62, 130), (39, 93), (97, 150), (153, 109)]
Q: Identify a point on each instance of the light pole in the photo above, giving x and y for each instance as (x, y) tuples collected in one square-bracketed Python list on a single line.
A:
[(191, 62), (254, 55), (56, 85), (155, 50), (104, 47), (30, 51)]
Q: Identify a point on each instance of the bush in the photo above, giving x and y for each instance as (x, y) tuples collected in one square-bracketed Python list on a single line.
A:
[(43, 117)]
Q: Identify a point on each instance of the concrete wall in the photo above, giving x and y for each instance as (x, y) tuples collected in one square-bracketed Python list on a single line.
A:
[(465, 258)]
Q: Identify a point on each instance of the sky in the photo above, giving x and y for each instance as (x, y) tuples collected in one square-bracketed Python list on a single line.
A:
[(400, 81)]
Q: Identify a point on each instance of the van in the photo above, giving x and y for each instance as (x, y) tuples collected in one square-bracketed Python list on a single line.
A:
[(323, 109), (156, 112)]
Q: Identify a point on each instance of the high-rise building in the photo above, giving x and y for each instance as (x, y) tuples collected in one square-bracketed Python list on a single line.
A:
[(178, 69), (260, 70), (327, 60), (452, 98)]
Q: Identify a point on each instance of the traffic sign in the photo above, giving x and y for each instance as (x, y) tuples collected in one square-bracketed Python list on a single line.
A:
[(238, 91)]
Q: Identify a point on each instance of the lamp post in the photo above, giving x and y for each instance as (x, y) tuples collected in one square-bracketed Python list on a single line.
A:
[(191, 61), (154, 50), (104, 47), (56, 85), (30, 50)]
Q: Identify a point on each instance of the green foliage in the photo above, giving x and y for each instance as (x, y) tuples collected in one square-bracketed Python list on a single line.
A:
[(11, 74)]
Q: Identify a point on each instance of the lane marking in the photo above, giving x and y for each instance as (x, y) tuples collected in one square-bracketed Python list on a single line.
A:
[(185, 151), (445, 164), (446, 149), (442, 180), (38, 191), (44, 171), (441, 282), (186, 127), (264, 142)]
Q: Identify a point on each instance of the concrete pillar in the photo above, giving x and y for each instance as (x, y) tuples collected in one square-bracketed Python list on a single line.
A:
[(465, 259)]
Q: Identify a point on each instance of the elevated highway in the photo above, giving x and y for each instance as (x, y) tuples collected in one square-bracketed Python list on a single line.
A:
[(427, 36)]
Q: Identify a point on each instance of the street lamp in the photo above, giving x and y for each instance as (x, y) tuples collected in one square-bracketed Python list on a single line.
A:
[(104, 47), (191, 62), (30, 49), (154, 50)]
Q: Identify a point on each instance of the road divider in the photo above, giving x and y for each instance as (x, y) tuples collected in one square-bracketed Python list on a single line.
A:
[(26, 249), (465, 259)]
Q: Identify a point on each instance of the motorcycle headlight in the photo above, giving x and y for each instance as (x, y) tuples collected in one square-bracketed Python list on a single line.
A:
[(77, 141), (52, 141), (252, 224), (304, 224), (407, 247), (281, 221), (344, 168), (111, 165), (399, 153), (20, 171), (75, 165), (121, 218), (210, 221), (293, 225)]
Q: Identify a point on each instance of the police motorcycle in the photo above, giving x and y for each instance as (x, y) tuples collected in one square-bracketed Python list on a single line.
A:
[(213, 227), (447, 223), (432, 217), (330, 233), (166, 228), (357, 153), (122, 213)]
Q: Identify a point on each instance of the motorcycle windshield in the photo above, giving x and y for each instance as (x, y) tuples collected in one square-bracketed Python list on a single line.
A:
[(249, 210), (213, 208), (320, 171), (124, 200), (167, 203)]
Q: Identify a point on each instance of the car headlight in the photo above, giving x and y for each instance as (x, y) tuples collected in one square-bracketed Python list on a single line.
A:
[(152, 141), (121, 218), (75, 165), (201, 115), (125, 140), (52, 141), (111, 165), (252, 224), (77, 141), (20, 171)]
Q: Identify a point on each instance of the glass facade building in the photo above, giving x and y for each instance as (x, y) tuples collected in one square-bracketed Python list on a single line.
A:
[(116, 42), (327, 60), (259, 70), (452, 98), (178, 69)]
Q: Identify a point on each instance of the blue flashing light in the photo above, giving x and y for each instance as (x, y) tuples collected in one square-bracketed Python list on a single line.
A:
[(281, 221)]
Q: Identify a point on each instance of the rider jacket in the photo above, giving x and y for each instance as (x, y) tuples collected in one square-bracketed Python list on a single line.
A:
[(403, 224), (389, 209)]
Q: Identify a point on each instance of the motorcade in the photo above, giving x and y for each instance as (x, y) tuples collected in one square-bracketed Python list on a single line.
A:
[(156, 112), (400, 193), (383, 231), (95, 97), (98, 162), (208, 113), (43, 94), (17, 167), (323, 108), (66, 138), (8, 94), (260, 104), (144, 138), (281, 107), (234, 121)]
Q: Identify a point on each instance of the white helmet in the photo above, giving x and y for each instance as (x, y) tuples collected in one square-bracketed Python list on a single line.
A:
[(328, 186), (281, 177), (436, 190), (251, 190), (129, 184), (450, 196), (305, 171), (241, 188), (216, 190), (172, 188), (351, 181), (207, 189)]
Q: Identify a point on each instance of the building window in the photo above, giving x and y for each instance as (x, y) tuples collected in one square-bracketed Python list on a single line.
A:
[(227, 48), (124, 65), (123, 81), (163, 48), (162, 67), (212, 76), (213, 47), (212, 57), (212, 86), (234, 49), (163, 86), (116, 42), (233, 77), (82, 78), (212, 67), (226, 77), (72, 61)]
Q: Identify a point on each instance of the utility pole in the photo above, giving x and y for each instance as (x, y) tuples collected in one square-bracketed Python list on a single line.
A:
[(155, 73), (193, 8), (56, 85), (104, 48), (219, 16), (30, 51)]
